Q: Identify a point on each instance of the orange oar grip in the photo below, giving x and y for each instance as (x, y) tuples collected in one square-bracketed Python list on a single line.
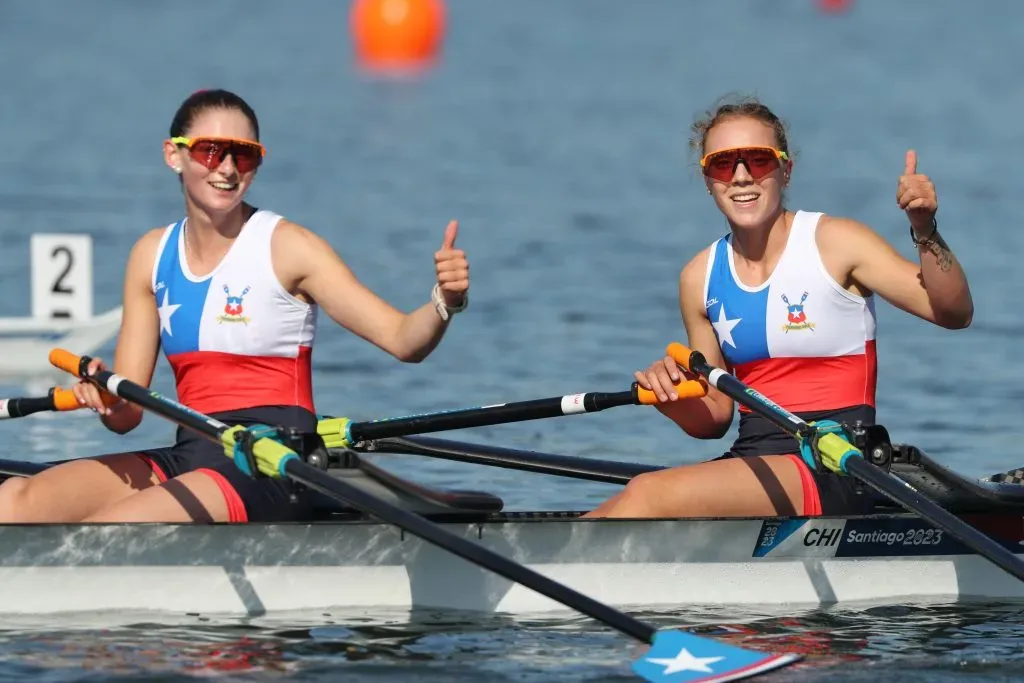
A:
[(64, 399), (686, 388), (65, 360), (680, 354)]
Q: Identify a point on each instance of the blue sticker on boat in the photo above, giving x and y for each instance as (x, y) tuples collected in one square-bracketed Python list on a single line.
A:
[(774, 532)]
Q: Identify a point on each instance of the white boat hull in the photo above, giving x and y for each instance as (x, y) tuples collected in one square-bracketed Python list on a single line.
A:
[(260, 569)]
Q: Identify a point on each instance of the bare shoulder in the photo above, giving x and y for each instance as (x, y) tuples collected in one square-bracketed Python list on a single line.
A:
[(847, 245), (692, 279), (297, 253), (847, 241), (838, 232), (695, 270), (294, 239), (149, 242), (142, 258)]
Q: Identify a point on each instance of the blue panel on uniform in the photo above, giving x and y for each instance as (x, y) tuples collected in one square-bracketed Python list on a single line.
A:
[(737, 315), (179, 301)]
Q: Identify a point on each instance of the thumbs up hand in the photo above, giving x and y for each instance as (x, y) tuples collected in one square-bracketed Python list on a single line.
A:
[(452, 268), (915, 194)]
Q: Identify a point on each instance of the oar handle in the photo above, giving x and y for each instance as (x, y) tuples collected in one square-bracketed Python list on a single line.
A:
[(57, 399), (77, 366), (684, 388), (694, 361)]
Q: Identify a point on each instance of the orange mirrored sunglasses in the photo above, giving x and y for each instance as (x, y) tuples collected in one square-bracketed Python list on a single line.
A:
[(760, 161), (211, 151)]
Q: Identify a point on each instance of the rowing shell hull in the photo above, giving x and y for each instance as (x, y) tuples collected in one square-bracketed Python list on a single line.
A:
[(258, 569)]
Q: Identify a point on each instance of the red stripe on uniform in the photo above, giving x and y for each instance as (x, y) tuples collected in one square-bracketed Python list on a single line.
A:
[(812, 498), (213, 382), (161, 476), (233, 501), (812, 384)]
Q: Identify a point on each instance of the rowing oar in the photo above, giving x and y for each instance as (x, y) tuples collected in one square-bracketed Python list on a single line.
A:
[(56, 399), (674, 656), (573, 467), (340, 432), (823, 443)]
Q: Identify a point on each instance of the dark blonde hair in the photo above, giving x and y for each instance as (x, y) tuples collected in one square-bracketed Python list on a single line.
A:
[(740, 106)]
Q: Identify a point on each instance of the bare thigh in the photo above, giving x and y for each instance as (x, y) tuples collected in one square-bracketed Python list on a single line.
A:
[(74, 490), (190, 497), (732, 487)]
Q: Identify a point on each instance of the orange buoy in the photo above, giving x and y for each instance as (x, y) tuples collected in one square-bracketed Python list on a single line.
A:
[(397, 33), (834, 6)]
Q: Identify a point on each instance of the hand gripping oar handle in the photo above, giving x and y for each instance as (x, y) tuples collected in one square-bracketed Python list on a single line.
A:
[(341, 433), (276, 460), (842, 457), (831, 448), (270, 454)]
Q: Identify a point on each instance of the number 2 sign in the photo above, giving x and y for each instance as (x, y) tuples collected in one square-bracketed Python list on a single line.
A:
[(62, 276)]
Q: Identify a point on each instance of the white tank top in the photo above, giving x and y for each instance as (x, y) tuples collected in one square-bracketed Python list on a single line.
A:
[(799, 338), (235, 338)]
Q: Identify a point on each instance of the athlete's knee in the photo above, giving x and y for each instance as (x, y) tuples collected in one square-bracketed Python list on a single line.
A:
[(641, 495), (640, 486)]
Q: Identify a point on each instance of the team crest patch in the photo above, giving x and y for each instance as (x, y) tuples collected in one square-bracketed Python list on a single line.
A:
[(796, 318), (234, 311)]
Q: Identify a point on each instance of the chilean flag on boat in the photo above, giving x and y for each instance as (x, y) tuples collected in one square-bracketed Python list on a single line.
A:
[(679, 657)]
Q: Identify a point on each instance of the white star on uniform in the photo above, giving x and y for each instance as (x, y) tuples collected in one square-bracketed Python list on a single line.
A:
[(166, 310), (723, 327), (684, 661)]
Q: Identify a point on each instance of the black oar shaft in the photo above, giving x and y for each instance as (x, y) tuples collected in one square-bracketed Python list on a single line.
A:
[(468, 550), (485, 416), (938, 516), (590, 469), (56, 399), (741, 393)]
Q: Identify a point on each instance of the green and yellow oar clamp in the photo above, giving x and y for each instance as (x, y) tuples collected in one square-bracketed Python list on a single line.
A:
[(334, 431), (827, 445), (257, 450)]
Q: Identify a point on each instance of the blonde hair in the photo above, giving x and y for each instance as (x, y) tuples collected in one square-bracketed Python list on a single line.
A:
[(748, 106)]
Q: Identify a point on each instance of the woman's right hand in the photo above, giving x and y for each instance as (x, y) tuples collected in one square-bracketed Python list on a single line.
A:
[(92, 397), (661, 378)]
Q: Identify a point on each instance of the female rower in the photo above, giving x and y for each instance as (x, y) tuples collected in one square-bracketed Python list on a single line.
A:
[(785, 301), (231, 293)]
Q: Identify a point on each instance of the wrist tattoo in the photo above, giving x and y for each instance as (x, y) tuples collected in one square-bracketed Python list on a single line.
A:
[(940, 250)]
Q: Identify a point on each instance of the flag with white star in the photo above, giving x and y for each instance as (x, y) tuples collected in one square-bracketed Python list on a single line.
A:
[(680, 657)]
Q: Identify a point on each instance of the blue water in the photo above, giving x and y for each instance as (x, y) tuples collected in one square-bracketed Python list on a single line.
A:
[(557, 134)]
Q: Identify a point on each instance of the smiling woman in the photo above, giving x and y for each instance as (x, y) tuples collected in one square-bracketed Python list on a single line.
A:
[(785, 301), (231, 293)]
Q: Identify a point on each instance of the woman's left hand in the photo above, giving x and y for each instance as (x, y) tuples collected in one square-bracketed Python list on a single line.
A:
[(452, 268), (915, 194)]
